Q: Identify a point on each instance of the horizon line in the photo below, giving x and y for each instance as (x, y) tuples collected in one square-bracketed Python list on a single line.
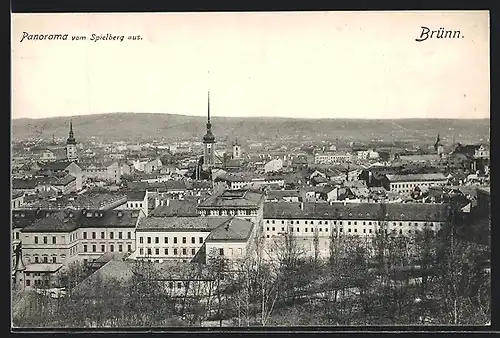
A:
[(262, 116)]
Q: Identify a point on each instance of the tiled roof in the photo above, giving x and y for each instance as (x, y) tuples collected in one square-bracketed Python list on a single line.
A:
[(233, 198), (69, 220), (24, 217), (180, 208), (17, 195), (180, 223), (89, 200), (232, 229), (55, 166), (57, 181), (357, 211), (280, 194), (416, 177), (47, 267), (136, 195), (168, 185), (24, 183)]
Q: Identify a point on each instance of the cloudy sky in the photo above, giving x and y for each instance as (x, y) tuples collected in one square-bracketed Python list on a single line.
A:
[(290, 64)]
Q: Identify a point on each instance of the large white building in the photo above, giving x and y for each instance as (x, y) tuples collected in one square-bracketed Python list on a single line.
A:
[(332, 158), (308, 220), (408, 183)]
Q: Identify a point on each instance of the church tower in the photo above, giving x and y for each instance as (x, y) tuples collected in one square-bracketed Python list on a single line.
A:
[(208, 142), (438, 146), (71, 145), (236, 150)]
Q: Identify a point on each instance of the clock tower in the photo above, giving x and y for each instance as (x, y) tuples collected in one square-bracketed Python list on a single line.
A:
[(208, 142)]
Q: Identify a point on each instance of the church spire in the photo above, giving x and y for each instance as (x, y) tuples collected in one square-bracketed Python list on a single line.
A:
[(71, 138), (209, 137)]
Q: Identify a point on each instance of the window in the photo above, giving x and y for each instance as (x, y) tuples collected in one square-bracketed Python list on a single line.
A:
[(305, 222), (364, 231), (141, 240), (349, 223), (175, 251), (149, 240), (370, 230), (355, 230), (282, 228), (102, 234), (149, 251), (340, 230), (340, 222), (120, 235), (84, 235), (103, 248), (320, 229), (291, 222), (54, 259), (267, 229), (298, 229), (272, 221), (184, 251), (221, 251), (93, 234), (175, 240), (44, 239), (179, 285), (111, 235), (200, 240), (112, 248), (282, 222), (28, 282), (17, 235), (129, 248), (166, 251), (85, 248), (36, 259), (157, 240), (165, 240), (141, 251), (129, 235), (274, 229), (45, 259), (193, 252), (305, 229), (157, 251), (183, 240), (267, 221), (94, 248)]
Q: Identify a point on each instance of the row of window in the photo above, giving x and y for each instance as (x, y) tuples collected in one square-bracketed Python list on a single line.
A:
[(103, 248), (231, 212), (74, 236), (165, 240), (45, 259), (111, 235), (38, 282), (175, 251), (341, 223), (135, 205), (413, 185)]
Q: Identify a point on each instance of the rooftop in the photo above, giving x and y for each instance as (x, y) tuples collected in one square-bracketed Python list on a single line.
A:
[(233, 198), (357, 211), (89, 200), (416, 177), (199, 223), (69, 220), (43, 267), (232, 229), (172, 208)]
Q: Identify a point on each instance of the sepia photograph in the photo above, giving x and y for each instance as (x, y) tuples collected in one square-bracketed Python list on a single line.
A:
[(237, 170)]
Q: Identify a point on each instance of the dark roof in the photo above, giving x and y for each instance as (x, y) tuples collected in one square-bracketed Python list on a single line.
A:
[(357, 211), (57, 181), (69, 220), (55, 166), (181, 208), (416, 177), (17, 195), (232, 229), (233, 198), (280, 194), (199, 223), (136, 195), (168, 185), (89, 200), (21, 218), (18, 183)]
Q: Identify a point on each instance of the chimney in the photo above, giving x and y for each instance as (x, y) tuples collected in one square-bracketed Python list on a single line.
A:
[(162, 202), (168, 202), (301, 205)]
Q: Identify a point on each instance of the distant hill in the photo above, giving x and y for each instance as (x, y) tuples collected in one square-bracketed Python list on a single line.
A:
[(170, 127)]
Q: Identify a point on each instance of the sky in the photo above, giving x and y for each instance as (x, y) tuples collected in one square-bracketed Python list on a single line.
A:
[(288, 64)]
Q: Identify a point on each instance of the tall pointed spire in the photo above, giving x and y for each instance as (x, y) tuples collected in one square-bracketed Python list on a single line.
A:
[(71, 138), (209, 137)]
